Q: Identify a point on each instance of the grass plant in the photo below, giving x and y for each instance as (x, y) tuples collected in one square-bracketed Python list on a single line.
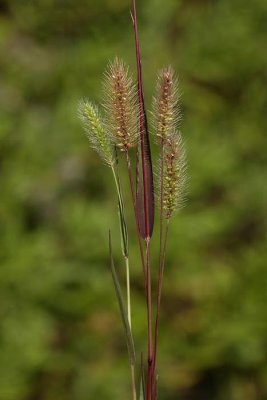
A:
[(122, 125)]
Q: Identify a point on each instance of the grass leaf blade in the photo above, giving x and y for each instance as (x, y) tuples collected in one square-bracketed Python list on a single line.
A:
[(142, 381), (146, 217), (122, 220)]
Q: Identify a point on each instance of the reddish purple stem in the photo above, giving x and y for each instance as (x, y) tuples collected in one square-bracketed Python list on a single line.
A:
[(145, 202)]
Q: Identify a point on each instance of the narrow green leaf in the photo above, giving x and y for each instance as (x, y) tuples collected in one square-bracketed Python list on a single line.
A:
[(127, 329), (142, 381), (156, 387), (122, 220), (123, 226), (142, 394)]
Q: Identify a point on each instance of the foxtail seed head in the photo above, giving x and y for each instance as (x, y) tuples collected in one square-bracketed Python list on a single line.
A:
[(95, 131), (165, 104), (174, 168), (120, 105)]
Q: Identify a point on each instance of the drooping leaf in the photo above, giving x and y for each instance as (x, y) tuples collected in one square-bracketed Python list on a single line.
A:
[(122, 307)]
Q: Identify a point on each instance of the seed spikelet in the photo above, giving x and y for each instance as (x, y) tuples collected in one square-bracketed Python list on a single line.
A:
[(174, 170), (120, 105), (95, 130), (165, 105)]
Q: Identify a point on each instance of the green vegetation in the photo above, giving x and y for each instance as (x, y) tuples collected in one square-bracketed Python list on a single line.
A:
[(61, 336)]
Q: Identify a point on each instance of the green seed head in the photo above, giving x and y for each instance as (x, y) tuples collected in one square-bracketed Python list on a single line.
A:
[(95, 131), (174, 168), (120, 105)]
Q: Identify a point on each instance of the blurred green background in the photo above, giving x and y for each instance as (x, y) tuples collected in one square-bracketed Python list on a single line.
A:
[(61, 336)]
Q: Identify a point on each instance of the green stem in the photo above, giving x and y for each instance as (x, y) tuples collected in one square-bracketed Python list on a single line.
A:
[(123, 226), (130, 320), (126, 258), (128, 161), (128, 291), (117, 184), (133, 382), (159, 291)]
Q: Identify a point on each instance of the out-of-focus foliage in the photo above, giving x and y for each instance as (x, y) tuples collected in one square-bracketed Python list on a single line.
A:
[(61, 336)]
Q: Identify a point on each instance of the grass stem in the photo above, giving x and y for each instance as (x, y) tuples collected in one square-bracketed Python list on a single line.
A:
[(133, 383), (128, 291), (130, 323), (149, 325), (128, 161), (159, 291), (127, 267)]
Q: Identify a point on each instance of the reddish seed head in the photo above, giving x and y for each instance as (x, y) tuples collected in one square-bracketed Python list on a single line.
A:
[(165, 106), (120, 105)]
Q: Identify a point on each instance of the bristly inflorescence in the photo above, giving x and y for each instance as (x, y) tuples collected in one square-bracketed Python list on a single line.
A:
[(166, 115), (165, 105), (120, 105), (96, 131), (123, 122), (174, 161)]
